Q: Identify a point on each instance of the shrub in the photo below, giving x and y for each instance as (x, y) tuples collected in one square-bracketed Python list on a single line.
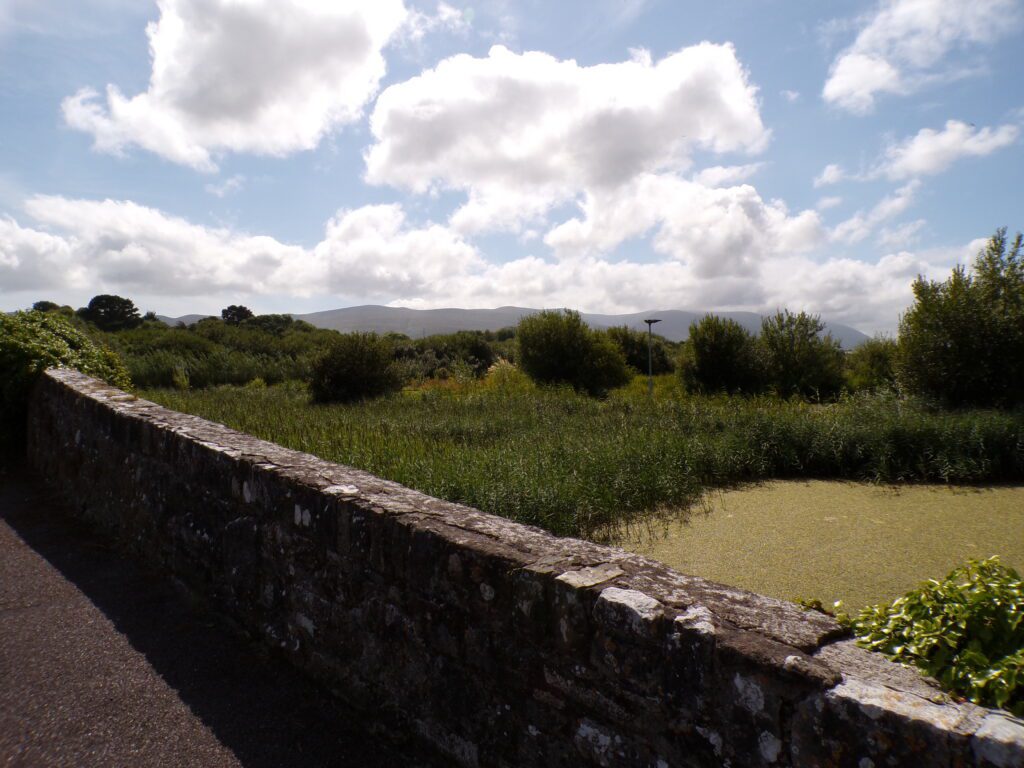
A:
[(962, 342), (800, 360), (504, 376), (720, 355), (356, 366), (633, 345), (872, 365), (967, 631), (559, 348), (445, 355), (31, 342)]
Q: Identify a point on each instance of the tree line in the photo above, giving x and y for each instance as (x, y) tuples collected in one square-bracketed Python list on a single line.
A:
[(960, 344)]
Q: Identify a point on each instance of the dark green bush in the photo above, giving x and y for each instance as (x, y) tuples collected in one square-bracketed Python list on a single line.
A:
[(559, 348), (720, 355), (799, 359), (235, 314), (872, 365), (633, 345), (967, 631), (962, 342), (443, 356), (357, 366), (212, 352), (111, 313), (31, 342)]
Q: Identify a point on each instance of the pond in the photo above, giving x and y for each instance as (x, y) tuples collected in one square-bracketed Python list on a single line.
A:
[(855, 542)]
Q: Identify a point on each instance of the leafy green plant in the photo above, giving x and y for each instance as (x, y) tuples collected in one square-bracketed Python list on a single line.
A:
[(559, 348), (31, 342), (801, 360), (111, 313), (357, 366), (967, 631), (962, 341), (720, 355), (871, 366), (634, 347)]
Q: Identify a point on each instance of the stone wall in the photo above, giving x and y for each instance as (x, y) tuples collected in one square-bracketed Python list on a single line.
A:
[(498, 643)]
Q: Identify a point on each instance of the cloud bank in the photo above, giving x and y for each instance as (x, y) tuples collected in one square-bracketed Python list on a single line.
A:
[(375, 253)]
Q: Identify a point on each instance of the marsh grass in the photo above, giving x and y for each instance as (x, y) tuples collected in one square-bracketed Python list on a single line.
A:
[(580, 466)]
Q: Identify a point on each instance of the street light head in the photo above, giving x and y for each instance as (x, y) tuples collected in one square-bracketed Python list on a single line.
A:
[(652, 321)]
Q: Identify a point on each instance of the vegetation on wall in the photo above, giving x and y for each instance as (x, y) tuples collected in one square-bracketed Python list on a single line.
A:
[(966, 630), (31, 342)]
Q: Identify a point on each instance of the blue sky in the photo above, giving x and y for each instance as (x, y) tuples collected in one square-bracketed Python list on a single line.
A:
[(616, 155)]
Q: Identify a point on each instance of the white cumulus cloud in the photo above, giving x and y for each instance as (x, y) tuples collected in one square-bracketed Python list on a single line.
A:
[(269, 77), (368, 252), (903, 43), (717, 232), (513, 128)]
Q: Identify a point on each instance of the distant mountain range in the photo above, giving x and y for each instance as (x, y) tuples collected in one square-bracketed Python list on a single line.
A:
[(674, 325)]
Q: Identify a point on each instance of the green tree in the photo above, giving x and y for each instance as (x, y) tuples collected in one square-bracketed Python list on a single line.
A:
[(45, 306), (720, 355), (962, 341), (111, 313), (235, 314), (633, 344), (558, 347), (872, 365), (356, 366), (801, 360), (31, 342), (274, 324)]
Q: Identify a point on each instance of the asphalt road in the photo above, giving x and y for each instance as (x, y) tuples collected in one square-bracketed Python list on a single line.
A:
[(103, 663)]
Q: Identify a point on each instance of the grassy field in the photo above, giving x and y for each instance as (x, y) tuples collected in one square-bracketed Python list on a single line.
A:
[(859, 543), (581, 466)]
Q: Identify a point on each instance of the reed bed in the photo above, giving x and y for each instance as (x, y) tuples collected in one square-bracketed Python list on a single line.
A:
[(586, 467)]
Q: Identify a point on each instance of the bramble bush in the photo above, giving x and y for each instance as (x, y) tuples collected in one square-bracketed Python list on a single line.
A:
[(31, 342), (967, 631)]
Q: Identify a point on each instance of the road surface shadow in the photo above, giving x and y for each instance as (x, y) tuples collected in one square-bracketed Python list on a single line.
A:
[(265, 712)]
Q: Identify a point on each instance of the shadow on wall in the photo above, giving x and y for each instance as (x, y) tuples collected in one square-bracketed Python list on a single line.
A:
[(266, 714)]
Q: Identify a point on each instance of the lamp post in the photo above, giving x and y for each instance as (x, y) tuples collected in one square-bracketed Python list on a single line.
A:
[(650, 363)]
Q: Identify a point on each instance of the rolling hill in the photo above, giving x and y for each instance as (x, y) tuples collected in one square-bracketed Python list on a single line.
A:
[(674, 325)]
